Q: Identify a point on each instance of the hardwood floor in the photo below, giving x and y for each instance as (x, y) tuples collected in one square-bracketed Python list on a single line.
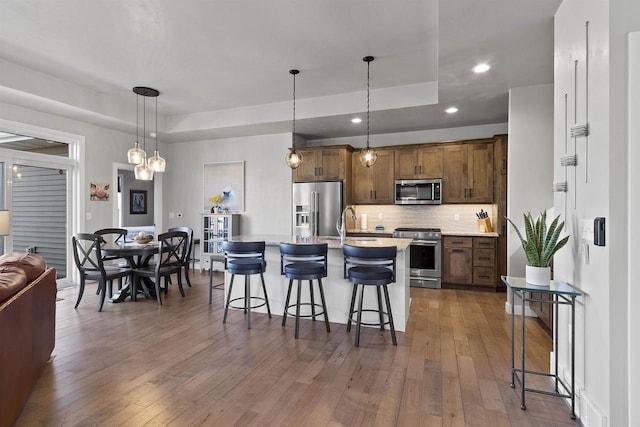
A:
[(138, 364)]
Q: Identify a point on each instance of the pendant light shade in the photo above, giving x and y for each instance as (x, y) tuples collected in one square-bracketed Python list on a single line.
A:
[(156, 162), (143, 171), (145, 168), (293, 158), (135, 154), (368, 155)]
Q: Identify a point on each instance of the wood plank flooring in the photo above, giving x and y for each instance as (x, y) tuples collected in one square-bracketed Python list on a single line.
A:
[(139, 364)]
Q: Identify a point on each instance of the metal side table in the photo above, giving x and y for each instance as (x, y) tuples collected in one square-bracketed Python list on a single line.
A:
[(562, 294)]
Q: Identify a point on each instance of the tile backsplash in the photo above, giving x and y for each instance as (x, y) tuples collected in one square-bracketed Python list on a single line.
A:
[(451, 218)]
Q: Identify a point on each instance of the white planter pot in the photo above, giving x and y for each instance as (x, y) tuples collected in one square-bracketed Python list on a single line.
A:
[(538, 276)]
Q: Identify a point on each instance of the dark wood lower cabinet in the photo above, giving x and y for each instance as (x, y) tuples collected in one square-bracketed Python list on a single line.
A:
[(469, 261)]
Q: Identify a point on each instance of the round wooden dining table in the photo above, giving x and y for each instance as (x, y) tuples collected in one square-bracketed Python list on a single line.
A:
[(137, 255)]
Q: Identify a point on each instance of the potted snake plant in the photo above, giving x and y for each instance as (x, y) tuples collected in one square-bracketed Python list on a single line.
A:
[(540, 242)]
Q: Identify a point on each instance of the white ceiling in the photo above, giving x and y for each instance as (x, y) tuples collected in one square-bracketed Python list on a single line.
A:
[(222, 66)]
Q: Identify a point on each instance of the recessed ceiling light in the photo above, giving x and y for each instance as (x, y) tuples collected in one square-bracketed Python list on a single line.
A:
[(451, 110), (481, 68), (356, 120)]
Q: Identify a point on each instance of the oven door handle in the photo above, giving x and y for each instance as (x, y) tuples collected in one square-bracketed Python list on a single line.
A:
[(425, 242)]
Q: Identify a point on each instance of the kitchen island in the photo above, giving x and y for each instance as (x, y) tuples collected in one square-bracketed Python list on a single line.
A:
[(336, 288)]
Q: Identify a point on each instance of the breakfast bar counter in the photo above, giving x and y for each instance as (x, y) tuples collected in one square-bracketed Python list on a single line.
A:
[(336, 288)]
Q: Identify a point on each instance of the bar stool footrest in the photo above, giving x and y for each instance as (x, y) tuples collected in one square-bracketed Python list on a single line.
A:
[(318, 313), (370, 311), (242, 307)]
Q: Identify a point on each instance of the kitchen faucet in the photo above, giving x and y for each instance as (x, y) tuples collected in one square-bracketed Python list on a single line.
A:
[(343, 225)]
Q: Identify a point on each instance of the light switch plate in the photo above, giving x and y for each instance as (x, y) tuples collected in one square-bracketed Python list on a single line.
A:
[(172, 215)]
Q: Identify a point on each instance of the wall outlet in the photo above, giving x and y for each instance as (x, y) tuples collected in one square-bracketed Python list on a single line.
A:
[(456, 217), (587, 230), (179, 215), (89, 216)]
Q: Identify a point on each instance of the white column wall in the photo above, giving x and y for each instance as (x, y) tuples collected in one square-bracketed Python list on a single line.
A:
[(530, 166)]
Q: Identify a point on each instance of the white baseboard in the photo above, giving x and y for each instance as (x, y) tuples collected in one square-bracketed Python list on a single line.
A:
[(527, 310)]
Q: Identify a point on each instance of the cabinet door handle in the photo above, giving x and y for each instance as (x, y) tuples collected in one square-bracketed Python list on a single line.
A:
[(371, 194), (484, 257), (457, 250), (320, 171), (465, 193), (420, 169), (470, 192), (484, 277), (375, 194), (457, 243)]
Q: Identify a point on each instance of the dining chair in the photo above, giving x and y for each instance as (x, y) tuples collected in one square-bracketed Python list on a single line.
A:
[(172, 252), (116, 236), (187, 260), (90, 263), (366, 267)]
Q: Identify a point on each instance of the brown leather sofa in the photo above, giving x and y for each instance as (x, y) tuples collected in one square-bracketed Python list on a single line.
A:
[(27, 328)]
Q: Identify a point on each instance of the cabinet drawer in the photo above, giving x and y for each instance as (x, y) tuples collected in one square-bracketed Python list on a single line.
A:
[(484, 257), (484, 242), (458, 242), (485, 276)]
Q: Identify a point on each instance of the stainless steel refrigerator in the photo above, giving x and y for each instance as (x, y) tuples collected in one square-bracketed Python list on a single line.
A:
[(316, 208)]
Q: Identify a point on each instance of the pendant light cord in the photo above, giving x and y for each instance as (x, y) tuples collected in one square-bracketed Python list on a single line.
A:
[(293, 134), (156, 127), (368, 65), (137, 119), (144, 125)]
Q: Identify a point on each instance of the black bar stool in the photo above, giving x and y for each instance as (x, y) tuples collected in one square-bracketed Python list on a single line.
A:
[(245, 258), (304, 262), (215, 258), (370, 266)]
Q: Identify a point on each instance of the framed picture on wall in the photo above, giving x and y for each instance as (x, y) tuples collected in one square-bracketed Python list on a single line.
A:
[(138, 201), (224, 186)]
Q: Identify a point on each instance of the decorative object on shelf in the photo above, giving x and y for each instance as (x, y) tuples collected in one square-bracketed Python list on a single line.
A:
[(142, 170), (137, 202), (156, 162), (293, 158), (368, 156), (217, 200), (540, 245)]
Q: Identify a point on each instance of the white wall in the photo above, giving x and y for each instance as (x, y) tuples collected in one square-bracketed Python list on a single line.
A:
[(102, 147), (634, 224), (530, 163), (267, 181), (598, 188)]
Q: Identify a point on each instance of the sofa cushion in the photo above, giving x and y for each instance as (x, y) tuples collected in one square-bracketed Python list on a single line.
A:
[(12, 279), (32, 264)]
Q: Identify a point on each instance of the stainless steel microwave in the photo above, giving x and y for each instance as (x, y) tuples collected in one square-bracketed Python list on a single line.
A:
[(418, 192)]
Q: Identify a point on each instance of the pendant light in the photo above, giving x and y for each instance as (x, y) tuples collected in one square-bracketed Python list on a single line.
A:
[(156, 162), (293, 157), (135, 154), (368, 156), (143, 171)]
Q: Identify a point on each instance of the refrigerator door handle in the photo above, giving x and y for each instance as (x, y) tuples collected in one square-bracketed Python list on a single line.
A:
[(316, 213)]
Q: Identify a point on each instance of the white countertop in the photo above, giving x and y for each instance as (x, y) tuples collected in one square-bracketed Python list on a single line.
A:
[(332, 241)]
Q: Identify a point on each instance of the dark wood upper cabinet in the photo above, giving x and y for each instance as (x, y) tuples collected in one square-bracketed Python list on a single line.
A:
[(374, 185), (468, 173), (418, 163), (322, 164)]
